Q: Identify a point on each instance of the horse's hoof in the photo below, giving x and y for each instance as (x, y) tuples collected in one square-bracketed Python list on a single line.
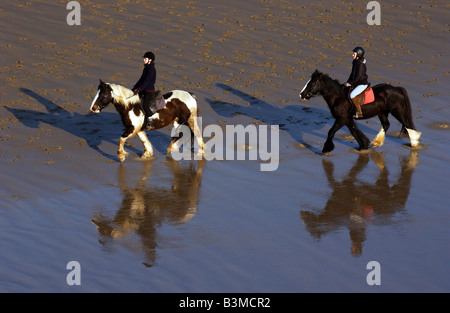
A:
[(200, 151), (122, 157), (327, 151), (375, 144), (146, 155), (328, 148)]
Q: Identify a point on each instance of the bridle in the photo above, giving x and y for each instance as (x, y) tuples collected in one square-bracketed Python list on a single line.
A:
[(317, 84), (101, 106), (310, 94)]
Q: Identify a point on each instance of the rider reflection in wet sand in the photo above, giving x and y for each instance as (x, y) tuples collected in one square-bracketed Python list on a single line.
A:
[(355, 204), (144, 209)]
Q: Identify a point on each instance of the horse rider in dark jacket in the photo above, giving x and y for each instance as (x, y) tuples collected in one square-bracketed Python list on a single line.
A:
[(145, 86), (358, 78)]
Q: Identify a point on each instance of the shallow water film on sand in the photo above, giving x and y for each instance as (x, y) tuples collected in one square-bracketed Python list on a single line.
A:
[(74, 218)]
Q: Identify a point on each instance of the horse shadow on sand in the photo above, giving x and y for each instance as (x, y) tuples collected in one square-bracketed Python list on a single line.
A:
[(145, 208), (295, 119), (94, 129), (355, 204)]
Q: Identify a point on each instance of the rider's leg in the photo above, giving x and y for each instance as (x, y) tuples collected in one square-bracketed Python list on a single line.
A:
[(147, 106), (355, 92)]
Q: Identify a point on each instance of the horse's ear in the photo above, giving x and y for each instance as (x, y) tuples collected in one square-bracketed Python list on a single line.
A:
[(101, 82)]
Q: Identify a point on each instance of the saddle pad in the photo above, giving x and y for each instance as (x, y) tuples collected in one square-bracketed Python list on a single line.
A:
[(369, 96)]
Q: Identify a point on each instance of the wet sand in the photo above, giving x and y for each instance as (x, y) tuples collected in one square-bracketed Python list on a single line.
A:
[(158, 225)]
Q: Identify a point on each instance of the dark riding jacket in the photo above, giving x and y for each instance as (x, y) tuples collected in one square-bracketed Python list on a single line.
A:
[(147, 80), (358, 75)]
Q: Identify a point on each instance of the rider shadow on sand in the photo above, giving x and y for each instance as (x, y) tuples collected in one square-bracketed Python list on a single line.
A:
[(86, 127), (355, 204), (295, 119)]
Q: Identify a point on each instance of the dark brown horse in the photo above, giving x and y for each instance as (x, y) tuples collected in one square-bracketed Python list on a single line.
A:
[(388, 99)]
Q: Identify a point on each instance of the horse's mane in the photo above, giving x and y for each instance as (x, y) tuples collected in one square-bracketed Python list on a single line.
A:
[(124, 96), (335, 81), (331, 83)]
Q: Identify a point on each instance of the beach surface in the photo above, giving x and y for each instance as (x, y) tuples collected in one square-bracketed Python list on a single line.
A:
[(159, 225)]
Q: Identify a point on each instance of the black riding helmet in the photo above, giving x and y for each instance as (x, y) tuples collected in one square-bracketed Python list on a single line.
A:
[(149, 55), (359, 52)]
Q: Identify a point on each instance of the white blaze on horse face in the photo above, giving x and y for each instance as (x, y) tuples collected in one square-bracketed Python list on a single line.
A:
[(93, 102), (300, 94)]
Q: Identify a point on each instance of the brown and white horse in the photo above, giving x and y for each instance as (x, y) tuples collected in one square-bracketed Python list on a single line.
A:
[(180, 108)]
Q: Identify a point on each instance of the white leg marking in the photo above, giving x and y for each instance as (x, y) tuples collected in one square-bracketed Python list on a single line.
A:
[(147, 145), (379, 139), (196, 127), (414, 137), (121, 153)]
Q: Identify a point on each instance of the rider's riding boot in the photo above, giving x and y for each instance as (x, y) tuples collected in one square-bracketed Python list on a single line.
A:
[(156, 95), (149, 110), (148, 119)]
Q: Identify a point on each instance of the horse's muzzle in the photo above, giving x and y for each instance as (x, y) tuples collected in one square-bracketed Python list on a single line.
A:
[(97, 109), (305, 97)]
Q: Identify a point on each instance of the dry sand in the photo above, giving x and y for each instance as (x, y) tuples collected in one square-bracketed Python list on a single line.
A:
[(220, 226)]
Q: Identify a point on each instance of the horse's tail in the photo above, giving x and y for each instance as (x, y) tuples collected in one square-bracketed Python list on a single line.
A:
[(407, 113)]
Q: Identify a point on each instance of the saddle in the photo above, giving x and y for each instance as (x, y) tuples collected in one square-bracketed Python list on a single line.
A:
[(365, 97), (159, 100)]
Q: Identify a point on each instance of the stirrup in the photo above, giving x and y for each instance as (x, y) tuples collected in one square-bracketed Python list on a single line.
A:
[(148, 124), (357, 116)]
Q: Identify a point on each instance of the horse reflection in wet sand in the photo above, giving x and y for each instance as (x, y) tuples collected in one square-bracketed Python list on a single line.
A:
[(145, 208), (355, 204)]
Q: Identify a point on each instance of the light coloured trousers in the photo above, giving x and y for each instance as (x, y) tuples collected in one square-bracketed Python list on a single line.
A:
[(357, 90)]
